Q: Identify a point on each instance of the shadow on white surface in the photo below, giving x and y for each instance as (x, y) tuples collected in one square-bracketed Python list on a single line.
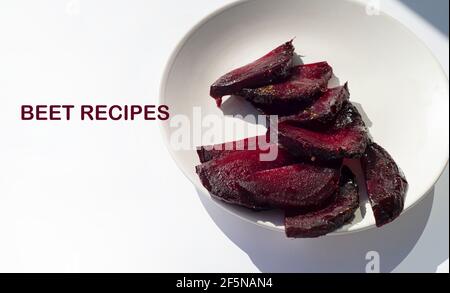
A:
[(271, 252), (435, 12), (238, 106)]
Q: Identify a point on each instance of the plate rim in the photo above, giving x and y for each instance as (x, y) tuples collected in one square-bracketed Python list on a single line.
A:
[(161, 97)]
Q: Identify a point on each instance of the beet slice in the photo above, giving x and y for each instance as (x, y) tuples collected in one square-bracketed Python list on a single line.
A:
[(220, 176), (208, 153), (346, 138), (321, 222), (271, 68), (285, 98), (386, 184), (323, 111), (299, 186)]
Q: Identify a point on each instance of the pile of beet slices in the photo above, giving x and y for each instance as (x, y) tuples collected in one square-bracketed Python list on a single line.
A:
[(319, 131)]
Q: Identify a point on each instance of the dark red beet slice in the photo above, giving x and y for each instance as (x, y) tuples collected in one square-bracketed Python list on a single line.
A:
[(285, 98), (326, 220), (208, 153), (386, 184), (220, 176), (271, 68), (323, 111), (299, 186), (346, 138)]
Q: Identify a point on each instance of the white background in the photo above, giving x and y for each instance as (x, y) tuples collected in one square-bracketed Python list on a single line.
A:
[(107, 197)]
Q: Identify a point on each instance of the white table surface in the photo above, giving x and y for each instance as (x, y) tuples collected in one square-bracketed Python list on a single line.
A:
[(107, 197)]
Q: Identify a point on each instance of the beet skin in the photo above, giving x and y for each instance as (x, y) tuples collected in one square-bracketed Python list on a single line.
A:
[(286, 98), (273, 67), (386, 184), (323, 111), (329, 219), (300, 186), (220, 176), (347, 137)]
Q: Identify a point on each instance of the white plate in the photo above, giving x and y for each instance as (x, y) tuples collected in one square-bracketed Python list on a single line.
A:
[(392, 75)]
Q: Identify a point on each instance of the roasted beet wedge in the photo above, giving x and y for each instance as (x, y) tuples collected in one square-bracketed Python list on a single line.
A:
[(347, 137), (220, 176), (323, 111), (299, 186), (273, 67), (326, 220), (386, 184), (258, 143), (286, 98)]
